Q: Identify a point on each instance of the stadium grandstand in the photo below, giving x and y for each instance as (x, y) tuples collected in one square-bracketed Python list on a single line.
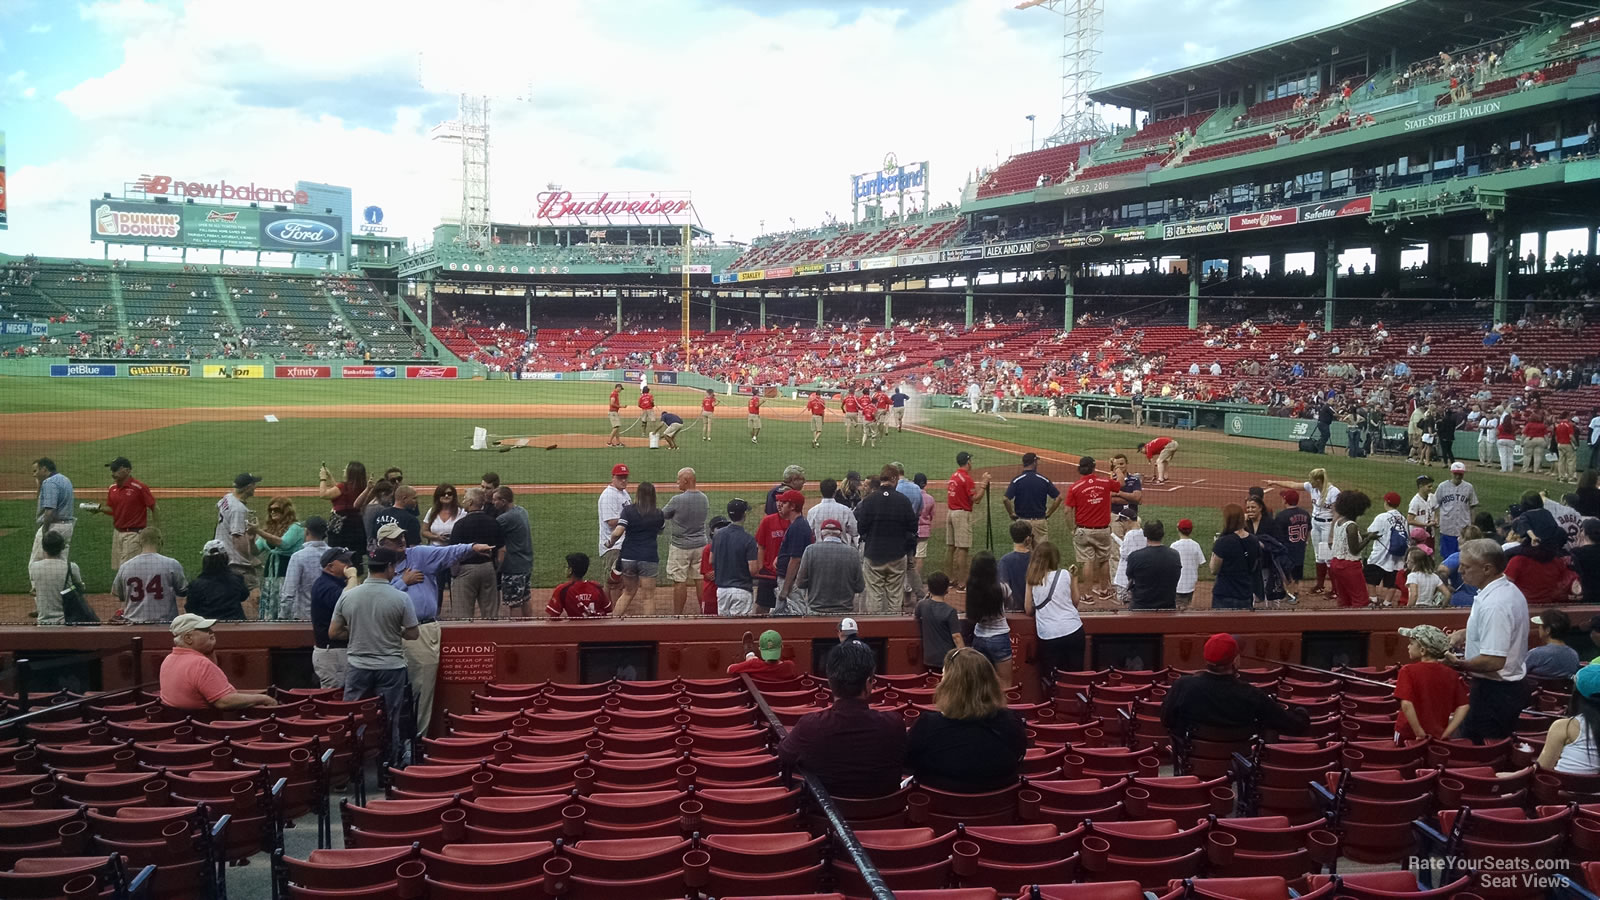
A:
[(1377, 239)]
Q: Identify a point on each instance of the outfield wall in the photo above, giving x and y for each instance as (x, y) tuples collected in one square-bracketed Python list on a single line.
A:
[(228, 368)]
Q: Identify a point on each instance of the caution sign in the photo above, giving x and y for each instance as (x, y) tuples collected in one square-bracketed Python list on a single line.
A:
[(468, 663)]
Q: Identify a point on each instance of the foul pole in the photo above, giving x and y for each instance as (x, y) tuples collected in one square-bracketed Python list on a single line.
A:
[(686, 257)]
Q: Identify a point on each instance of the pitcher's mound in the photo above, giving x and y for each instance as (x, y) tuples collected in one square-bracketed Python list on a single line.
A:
[(564, 442)]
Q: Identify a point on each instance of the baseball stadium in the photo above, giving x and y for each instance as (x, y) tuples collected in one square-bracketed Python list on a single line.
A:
[(1201, 504)]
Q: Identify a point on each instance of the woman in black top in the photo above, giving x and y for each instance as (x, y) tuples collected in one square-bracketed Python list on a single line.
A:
[(1588, 494), (850, 492), (217, 593), (639, 561), (973, 744), (1257, 517), (1235, 562)]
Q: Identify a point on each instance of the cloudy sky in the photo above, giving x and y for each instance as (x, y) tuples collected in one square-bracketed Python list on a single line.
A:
[(762, 108)]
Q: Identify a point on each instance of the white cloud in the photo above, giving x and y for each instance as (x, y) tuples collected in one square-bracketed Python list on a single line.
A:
[(28, 93), (39, 28)]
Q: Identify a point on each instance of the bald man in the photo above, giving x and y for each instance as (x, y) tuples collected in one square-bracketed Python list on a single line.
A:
[(686, 516)]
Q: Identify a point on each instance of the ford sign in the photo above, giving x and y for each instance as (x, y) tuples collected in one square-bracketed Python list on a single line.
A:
[(303, 233)]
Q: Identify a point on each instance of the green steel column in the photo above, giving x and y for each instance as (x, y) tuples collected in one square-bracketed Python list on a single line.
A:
[(1068, 290), (888, 310), (527, 313), (619, 312), (819, 310), (763, 312), (1543, 246), (713, 311), (427, 285), (1502, 259), (1330, 277), (970, 279), (1194, 292)]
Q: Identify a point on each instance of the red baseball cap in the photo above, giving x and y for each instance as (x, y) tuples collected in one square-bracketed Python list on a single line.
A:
[(1290, 496), (795, 497), (619, 471), (1185, 525), (1392, 498), (1221, 648)]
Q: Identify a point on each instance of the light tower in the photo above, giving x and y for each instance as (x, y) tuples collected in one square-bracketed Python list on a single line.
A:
[(1080, 74), (474, 123)]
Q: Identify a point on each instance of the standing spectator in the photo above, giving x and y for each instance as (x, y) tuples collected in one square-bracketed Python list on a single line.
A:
[(1433, 701), (1552, 659), (349, 498), (914, 589), (797, 536), (1495, 645), (829, 507), (764, 662), (1586, 499), (639, 561), (235, 528), (986, 612), (57, 512), (294, 600), (1566, 441), (829, 574), (1013, 567), (1125, 497), (962, 494), (328, 653), (1348, 540), (148, 585), (686, 515), (1488, 424), (578, 597), (794, 479), (888, 536), (734, 560), (489, 482), (1388, 531), (1535, 437), (1423, 586), (1292, 527), (1090, 499), (1052, 600), (1031, 498), (130, 505), (854, 750), (276, 541), (382, 504), (474, 589), (1154, 571), (1125, 546), (377, 620), (1505, 440), (851, 493), (1191, 558), (1572, 745), (50, 575), (1235, 559), (1448, 420), (970, 744), (612, 499), (1423, 511), (924, 522), (937, 623), (442, 515), (516, 552), (190, 677), (1458, 500), (402, 513), (218, 592), (1594, 438)]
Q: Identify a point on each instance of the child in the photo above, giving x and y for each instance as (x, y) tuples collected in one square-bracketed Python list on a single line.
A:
[(1126, 545), (1014, 565), (938, 622), (1192, 558), (578, 598), (765, 664), (1424, 587), (1433, 698), (708, 586)]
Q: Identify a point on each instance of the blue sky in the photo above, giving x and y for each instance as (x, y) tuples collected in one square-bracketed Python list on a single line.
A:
[(763, 108)]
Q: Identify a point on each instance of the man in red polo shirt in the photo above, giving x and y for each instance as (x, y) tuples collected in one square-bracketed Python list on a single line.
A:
[(190, 677), (129, 504), (1090, 500), (817, 408), (614, 417), (852, 413), (752, 416), (1161, 450), (1535, 437), (869, 421), (708, 411), (961, 494), (647, 410), (1566, 450)]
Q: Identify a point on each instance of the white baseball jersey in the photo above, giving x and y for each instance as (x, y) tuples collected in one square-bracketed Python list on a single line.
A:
[(1322, 501), (148, 586)]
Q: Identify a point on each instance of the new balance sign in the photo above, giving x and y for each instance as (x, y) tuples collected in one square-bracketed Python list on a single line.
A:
[(303, 372), (369, 372), (430, 371)]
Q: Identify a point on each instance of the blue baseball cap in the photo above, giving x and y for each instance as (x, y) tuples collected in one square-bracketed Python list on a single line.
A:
[(1587, 681)]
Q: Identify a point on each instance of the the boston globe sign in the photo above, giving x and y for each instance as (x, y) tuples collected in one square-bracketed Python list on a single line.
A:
[(219, 227)]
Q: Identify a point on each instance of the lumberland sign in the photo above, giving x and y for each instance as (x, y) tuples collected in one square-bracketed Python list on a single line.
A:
[(566, 205), (1452, 114), (167, 185)]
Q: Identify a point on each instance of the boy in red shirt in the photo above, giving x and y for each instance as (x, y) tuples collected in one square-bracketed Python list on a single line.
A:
[(769, 666), (614, 417), (708, 411), (816, 407), (1433, 697), (753, 417), (647, 406), (769, 538), (708, 583), (578, 598), (1162, 449)]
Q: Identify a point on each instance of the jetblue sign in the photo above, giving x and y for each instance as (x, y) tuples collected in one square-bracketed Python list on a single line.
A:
[(301, 232), (83, 370), (889, 181)]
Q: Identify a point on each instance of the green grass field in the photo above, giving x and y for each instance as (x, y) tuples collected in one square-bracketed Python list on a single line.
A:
[(433, 448)]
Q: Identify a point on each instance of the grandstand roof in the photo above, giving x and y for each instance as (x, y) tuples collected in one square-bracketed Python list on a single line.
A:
[(1431, 25)]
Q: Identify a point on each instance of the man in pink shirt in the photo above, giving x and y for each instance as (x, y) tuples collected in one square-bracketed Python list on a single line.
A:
[(191, 679)]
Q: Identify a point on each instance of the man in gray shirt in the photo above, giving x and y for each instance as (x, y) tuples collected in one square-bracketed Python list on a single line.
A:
[(377, 620), (56, 510), (516, 556), (148, 585), (830, 572), (1457, 499), (686, 537)]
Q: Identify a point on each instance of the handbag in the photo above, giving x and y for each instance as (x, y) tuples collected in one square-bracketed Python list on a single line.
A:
[(1050, 594), (75, 610)]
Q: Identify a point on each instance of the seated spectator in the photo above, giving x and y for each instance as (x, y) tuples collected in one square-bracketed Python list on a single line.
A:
[(1218, 698), (765, 663), (1571, 745), (191, 679), (218, 592), (973, 743), (1433, 698), (854, 750), (1552, 658), (1586, 560), (577, 597), (1542, 579)]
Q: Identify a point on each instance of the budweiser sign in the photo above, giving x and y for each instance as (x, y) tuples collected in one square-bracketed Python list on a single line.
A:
[(166, 185), (302, 372), (562, 205), (430, 371)]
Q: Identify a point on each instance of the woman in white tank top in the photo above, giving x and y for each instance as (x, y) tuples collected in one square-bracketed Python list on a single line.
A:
[(1570, 746)]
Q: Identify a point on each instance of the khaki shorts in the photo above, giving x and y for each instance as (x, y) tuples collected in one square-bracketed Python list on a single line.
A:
[(922, 548), (754, 421), (124, 546), (615, 419), (683, 564), (1041, 529), (899, 416), (816, 423), (958, 529), (672, 430), (852, 419), (607, 563), (707, 415), (1092, 544), (1167, 451)]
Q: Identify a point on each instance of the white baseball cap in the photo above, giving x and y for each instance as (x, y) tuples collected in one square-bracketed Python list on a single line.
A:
[(214, 546), (847, 624), (190, 622), (391, 531), (1458, 467)]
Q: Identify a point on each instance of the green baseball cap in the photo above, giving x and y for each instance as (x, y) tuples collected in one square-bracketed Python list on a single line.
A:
[(771, 645)]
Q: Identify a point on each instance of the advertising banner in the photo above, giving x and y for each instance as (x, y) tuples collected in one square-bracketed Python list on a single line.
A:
[(1014, 248), (368, 372), (300, 232), (159, 370), (29, 328), (1336, 209), (754, 275), (430, 371), (540, 376), (808, 269), (1271, 218), (1200, 228), (250, 371), (694, 269), (302, 372), (877, 262), (1127, 235), (221, 227), (918, 259), (666, 377), (892, 179), (958, 253), (724, 277), (83, 370), (780, 272), (848, 265), (1081, 239), (2, 181), (231, 229)]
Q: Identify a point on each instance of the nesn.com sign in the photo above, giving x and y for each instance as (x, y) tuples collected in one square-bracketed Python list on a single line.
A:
[(83, 370)]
